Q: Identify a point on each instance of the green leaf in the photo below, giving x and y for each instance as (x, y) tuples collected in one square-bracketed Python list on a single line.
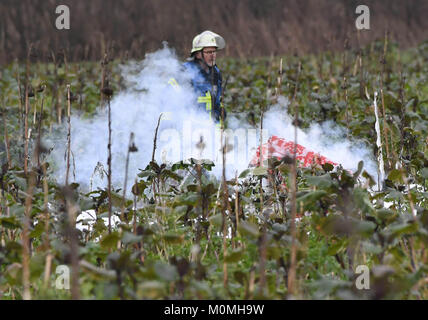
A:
[(366, 175), (240, 276), (234, 256), (110, 240), (86, 203), (248, 229), (244, 173), (323, 181), (170, 174), (380, 271), (274, 251), (192, 187), (260, 171), (396, 195), (309, 199), (372, 248), (179, 166), (173, 238), (37, 265), (407, 227), (424, 173), (138, 188), (363, 227), (337, 245), (154, 166), (386, 215), (209, 189), (151, 290), (205, 163), (116, 199), (284, 169), (360, 168), (395, 176), (165, 271), (20, 182), (362, 200), (9, 222), (146, 173), (38, 230), (327, 167), (190, 199), (216, 220), (129, 238)]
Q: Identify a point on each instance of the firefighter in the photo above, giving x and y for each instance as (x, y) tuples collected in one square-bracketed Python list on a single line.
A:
[(206, 76)]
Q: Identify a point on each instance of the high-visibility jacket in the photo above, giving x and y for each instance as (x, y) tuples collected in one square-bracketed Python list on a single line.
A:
[(208, 87)]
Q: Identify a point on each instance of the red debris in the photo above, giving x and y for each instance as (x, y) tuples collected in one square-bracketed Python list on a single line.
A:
[(279, 148)]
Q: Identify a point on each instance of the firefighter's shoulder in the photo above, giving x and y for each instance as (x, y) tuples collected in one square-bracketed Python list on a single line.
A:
[(190, 65)]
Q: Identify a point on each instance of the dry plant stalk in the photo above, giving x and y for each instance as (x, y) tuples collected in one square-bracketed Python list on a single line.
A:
[(45, 206), (131, 148), (226, 205), (134, 226), (402, 107), (270, 176), (262, 247), (6, 138), (108, 92), (345, 85), (345, 57), (320, 62), (19, 91), (104, 62), (21, 115), (35, 109), (382, 72), (277, 206), (68, 134), (292, 271), (405, 180), (217, 203), (156, 183), (279, 80), (263, 255), (360, 65), (200, 211), (26, 250), (156, 137), (39, 125), (26, 132), (236, 202), (65, 62), (47, 272), (224, 227), (56, 98), (109, 165), (72, 211)]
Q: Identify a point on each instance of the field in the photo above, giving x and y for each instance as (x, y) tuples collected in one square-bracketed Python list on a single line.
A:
[(274, 232)]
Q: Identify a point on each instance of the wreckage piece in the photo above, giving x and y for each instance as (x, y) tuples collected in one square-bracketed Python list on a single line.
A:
[(280, 148)]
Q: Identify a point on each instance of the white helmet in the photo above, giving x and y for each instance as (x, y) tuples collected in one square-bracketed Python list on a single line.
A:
[(207, 39)]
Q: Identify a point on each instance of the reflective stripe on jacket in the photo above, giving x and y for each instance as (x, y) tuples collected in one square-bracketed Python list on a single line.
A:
[(208, 88)]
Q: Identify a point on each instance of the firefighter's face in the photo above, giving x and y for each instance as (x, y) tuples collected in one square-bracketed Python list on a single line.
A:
[(209, 55)]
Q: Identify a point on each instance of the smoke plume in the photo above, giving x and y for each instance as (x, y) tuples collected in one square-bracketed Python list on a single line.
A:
[(157, 85)]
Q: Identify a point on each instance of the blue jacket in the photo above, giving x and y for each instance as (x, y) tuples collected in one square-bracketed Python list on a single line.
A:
[(208, 87)]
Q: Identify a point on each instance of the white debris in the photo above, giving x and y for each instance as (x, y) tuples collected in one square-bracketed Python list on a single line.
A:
[(86, 220), (381, 168)]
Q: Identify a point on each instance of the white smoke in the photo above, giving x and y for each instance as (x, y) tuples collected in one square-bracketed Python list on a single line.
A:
[(150, 92), (154, 86), (327, 139)]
